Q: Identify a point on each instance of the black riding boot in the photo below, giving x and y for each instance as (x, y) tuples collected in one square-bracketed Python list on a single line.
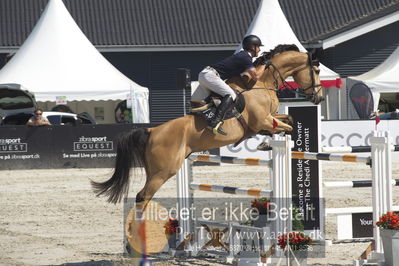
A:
[(216, 123)]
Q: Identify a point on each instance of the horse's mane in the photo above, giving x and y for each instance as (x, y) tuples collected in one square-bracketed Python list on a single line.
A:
[(277, 50)]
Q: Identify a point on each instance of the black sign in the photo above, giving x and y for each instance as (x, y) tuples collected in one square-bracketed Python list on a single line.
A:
[(305, 173), (52, 147), (362, 225)]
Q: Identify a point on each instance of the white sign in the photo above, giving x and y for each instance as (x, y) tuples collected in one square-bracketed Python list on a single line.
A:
[(247, 149), (61, 100), (333, 134)]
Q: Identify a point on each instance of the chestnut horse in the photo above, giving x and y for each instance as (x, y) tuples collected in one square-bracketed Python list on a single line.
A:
[(161, 150)]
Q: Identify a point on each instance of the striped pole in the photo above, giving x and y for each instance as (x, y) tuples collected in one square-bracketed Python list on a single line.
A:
[(228, 159), (232, 190), (350, 210), (330, 157), (349, 149), (356, 183)]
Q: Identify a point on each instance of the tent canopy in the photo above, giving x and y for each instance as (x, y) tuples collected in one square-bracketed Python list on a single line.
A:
[(272, 27), (384, 77), (58, 60)]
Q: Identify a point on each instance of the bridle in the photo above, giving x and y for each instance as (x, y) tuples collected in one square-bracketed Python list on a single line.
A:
[(300, 91), (311, 64)]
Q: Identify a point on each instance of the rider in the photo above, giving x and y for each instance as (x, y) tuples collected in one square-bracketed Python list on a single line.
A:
[(212, 77)]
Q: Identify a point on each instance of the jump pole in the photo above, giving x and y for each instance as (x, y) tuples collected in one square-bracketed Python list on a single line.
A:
[(356, 183), (353, 149)]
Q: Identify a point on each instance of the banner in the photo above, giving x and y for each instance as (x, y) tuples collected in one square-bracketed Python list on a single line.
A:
[(52, 147)]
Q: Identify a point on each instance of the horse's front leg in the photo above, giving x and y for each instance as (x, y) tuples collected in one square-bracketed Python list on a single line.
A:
[(275, 125), (284, 118)]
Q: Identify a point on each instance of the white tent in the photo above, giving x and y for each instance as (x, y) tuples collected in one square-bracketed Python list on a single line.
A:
[(272, 27), (57, 60), (382, 79)]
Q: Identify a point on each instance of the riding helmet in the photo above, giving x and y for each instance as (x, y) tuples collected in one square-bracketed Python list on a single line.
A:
[(251, 40)]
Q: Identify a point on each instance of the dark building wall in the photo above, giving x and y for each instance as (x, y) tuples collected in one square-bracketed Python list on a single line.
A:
[(157, 71), (2, 60), (363, 53)]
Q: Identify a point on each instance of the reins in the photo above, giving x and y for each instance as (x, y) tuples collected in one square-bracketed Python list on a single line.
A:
[(286, 85)]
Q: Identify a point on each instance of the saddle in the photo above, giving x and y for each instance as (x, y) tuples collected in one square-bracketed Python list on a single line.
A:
[(207, 109)]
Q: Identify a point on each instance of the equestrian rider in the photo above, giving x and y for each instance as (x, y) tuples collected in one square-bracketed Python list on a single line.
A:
[(211, 78)]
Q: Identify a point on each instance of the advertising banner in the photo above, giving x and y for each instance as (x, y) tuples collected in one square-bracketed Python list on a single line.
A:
[(23, 147), (357, 133), (52, 147)]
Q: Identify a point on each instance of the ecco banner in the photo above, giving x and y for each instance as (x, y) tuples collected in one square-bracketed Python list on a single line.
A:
[(46, 147)]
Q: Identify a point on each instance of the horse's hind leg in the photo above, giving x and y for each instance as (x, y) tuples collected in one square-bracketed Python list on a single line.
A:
[(151, 186), (160, 167)]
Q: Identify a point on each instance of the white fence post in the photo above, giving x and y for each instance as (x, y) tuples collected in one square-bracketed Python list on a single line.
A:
[(184, 198), (281, 183), (381, 143)]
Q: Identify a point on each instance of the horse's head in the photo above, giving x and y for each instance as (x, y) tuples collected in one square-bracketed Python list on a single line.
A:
[(286, 60), (308, 77)]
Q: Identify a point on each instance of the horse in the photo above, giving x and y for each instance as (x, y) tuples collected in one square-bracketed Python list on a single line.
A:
[(161, 150)]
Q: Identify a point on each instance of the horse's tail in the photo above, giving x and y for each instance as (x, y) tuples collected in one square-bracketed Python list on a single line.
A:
[(129, 153)]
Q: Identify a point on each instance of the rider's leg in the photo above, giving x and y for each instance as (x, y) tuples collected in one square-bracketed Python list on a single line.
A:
[(216, 122), (200, 93), (210, 79)]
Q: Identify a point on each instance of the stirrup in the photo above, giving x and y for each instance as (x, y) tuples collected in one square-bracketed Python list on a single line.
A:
[(218, 129)]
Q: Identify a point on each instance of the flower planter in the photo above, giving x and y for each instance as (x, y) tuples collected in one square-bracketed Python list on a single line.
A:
[(261, 206), (390, 243), (172, 239), (261, 221), (299, 260)]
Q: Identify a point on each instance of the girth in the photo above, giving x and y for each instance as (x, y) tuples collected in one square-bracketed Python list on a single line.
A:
[(207, 108)]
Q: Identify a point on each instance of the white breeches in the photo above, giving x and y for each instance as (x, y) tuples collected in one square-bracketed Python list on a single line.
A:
[(210, 81)]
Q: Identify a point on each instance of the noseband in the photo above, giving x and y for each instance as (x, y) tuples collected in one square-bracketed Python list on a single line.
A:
[(311, 64)]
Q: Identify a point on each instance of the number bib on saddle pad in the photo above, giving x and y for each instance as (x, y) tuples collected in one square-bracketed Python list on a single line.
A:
[(207, 108)]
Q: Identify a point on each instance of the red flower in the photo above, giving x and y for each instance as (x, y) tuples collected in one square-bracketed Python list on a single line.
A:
[(297, 241), (171, 226), (390, 220), (262, 205)]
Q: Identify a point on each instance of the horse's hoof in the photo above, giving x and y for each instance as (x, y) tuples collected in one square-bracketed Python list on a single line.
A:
[(264, 146)]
